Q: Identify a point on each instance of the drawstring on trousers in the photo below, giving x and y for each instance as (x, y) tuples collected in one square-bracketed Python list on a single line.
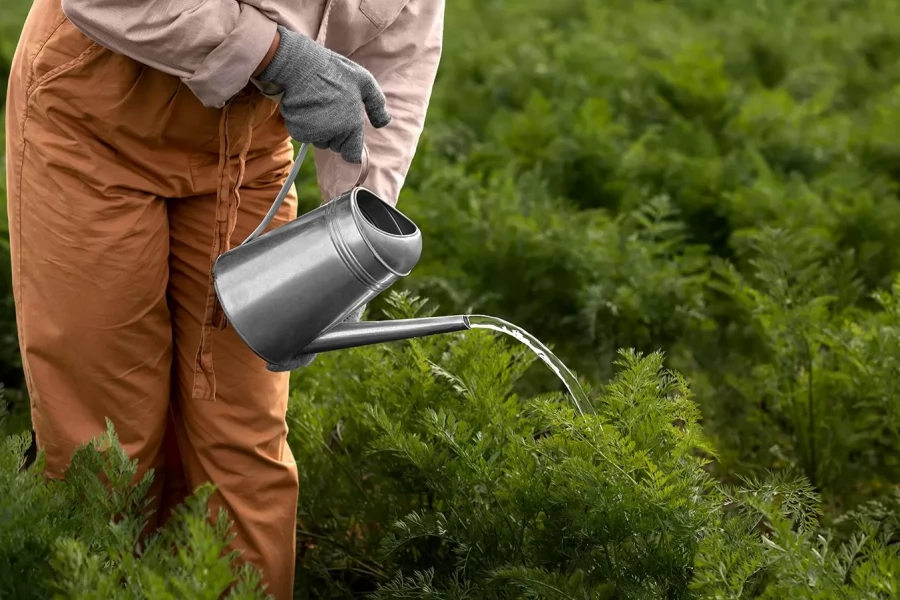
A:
[(227, 202)]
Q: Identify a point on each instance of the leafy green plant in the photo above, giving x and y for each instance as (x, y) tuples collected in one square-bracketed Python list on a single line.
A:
[(81, 537), (596, 282), (813, 384), (769, 545), (424, 463), (427, 476), (631, 152)]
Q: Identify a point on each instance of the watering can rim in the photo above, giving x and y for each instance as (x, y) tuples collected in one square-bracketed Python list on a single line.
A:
[(359, 218)]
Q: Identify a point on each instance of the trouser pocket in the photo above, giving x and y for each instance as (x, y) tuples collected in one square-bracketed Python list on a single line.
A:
[(49, 46)]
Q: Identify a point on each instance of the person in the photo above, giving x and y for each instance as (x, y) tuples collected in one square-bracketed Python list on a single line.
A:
[(143, 138)]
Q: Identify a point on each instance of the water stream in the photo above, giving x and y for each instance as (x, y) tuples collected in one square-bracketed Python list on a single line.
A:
[(579, 398)]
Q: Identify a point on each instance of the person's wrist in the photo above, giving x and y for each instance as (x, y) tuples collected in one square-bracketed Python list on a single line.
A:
[(273, 48), (296, 58)]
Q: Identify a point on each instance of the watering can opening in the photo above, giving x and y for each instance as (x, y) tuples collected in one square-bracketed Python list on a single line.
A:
[(393, 239), (382, 215)]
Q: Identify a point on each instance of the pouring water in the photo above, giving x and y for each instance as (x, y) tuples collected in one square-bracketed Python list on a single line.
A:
[(579, 398)]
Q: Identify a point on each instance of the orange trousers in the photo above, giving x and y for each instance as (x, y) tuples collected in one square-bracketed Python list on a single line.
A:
[(122, 190)]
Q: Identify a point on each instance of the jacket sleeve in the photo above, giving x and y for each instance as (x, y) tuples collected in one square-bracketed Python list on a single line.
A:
[(212, 45), (404, 60)]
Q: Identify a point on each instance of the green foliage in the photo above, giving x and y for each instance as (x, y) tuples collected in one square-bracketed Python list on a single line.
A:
[(593, 280), (80, 537), (12, 15), (819, 393), (184, 560), (32, 517), (427, 476), (770, 546), (609, 175), (463, 489)]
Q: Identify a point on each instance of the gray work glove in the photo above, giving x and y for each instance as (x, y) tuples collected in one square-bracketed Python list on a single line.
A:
[(304, 360), (323, 95)]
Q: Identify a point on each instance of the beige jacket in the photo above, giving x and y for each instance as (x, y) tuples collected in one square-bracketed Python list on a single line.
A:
[(214, 46)]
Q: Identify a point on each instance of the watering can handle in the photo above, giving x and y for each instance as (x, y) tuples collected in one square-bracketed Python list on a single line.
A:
[(289, 182)]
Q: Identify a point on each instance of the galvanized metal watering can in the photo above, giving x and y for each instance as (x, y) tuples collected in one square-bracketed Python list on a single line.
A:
[(286, 292)]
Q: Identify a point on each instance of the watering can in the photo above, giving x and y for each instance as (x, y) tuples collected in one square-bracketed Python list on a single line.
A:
[(286, 291)]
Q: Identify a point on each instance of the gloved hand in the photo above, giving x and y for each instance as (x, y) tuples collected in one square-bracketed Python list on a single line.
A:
[(323, 95), (304, 360)]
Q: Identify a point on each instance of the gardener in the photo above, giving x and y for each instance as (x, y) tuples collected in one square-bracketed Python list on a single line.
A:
[(140, 145)]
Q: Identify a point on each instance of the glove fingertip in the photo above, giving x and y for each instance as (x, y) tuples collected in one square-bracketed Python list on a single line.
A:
[(352, 149), (352, 153), (381, 119)]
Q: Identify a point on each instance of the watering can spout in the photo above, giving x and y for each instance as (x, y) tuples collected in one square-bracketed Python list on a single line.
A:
[(364, 333)]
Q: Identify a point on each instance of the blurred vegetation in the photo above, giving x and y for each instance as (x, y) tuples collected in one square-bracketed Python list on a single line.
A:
[(717, 179), (714, 179)]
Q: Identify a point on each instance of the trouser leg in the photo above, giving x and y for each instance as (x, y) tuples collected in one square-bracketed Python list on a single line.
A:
[(90, 271), (95, 142), (239, 440)]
